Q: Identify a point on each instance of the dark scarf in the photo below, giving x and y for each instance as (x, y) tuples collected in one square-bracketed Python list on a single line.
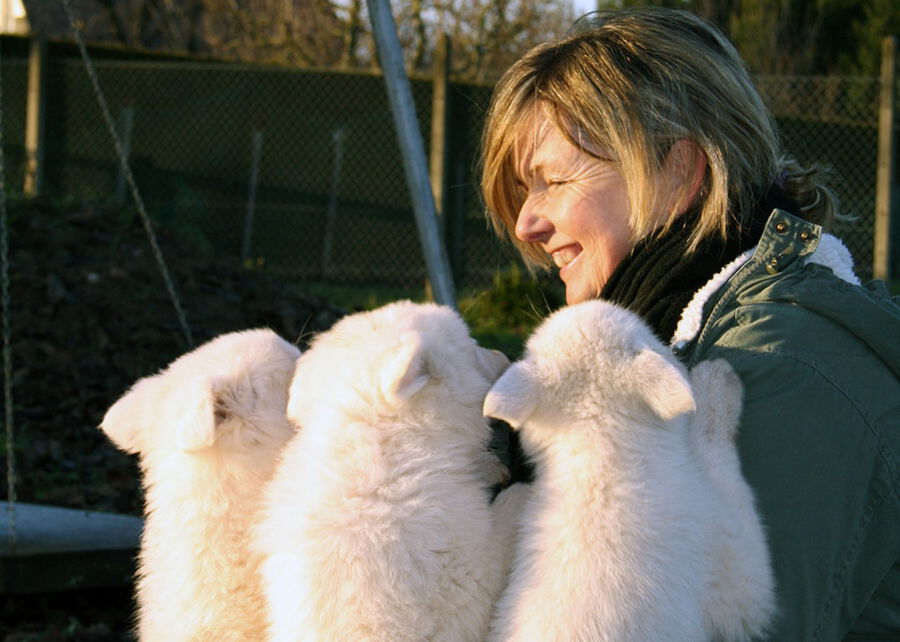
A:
[(659, 277)]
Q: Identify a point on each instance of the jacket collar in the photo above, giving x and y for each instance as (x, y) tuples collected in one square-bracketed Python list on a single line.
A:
[(785, 240)]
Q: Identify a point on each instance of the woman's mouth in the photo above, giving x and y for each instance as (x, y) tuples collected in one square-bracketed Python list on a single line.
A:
[(565, 255)]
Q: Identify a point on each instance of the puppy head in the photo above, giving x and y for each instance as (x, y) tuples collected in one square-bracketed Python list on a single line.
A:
[(587, 362), (402, 358), (230, 393)]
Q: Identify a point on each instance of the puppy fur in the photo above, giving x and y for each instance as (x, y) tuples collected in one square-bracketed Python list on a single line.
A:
[(377, 525), (742, 595), (208, 430), (616, 532)]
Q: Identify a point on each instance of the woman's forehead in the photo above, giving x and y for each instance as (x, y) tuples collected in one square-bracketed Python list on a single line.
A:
[(539, 141), (529, 135)]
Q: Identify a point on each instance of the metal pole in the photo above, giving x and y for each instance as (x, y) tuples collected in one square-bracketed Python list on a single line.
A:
[(412, 150)]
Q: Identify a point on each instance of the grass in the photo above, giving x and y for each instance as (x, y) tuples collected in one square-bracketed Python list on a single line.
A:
[(504, 315), (356, 298)]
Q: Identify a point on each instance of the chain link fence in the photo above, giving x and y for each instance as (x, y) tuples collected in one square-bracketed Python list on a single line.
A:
[(299, 172), (834, 122)]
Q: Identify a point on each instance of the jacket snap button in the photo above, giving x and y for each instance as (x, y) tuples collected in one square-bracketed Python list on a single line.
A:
[(805, 235), (781, 227), (772, 267)]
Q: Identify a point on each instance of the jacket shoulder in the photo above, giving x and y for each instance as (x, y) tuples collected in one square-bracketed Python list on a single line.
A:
[(819, 440)]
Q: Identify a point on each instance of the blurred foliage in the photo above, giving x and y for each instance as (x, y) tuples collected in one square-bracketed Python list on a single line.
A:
[(504, 315), (774, 36), (798, 37), (501, 316), (488, 35)]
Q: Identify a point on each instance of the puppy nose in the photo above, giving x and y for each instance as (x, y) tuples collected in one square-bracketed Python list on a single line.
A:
[(531, 227)]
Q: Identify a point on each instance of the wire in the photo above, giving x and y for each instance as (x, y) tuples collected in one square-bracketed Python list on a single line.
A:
[(7, 345), (129, 176)]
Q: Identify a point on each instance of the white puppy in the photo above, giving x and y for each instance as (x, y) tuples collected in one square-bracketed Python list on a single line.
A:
[(616, 532), (742, 598), (377, 525), (208, 430)]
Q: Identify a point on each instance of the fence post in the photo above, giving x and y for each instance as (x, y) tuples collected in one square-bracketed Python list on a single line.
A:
[(256, 144), (126, 119), (440, 152), (34, 117), (883, 267), (337, 137), (438, 160), (456, 209)]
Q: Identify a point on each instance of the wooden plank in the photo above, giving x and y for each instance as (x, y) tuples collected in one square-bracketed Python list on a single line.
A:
[(883, 264), (35, 112)]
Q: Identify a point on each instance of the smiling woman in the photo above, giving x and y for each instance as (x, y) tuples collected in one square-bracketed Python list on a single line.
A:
[(696, 164), (637, 158)]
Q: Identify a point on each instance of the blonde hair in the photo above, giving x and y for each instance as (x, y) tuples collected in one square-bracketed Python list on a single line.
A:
[(636, 81)]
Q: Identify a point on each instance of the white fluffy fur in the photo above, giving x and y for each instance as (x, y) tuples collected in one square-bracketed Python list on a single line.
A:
[(741, 601), (377, 525), (616, 534), (208, 430), (830, 252)]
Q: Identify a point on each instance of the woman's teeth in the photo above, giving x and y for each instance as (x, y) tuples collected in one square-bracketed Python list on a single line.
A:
[(565, 256)]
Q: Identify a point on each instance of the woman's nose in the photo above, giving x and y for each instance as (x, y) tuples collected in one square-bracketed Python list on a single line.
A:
[(531, 227)]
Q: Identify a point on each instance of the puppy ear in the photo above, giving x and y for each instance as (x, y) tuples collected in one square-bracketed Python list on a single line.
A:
[(491, 362), (407, 369), (131, 415), (664, 386), (195, 412), (513, 398)]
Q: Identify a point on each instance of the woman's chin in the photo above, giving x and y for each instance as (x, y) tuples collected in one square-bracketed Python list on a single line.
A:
[(580, 289), (576, 293)]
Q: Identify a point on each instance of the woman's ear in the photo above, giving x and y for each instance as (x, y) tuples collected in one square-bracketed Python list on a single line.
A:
[(683, 171)]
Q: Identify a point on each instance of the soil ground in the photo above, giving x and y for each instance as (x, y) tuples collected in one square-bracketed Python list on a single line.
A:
[(89, 315)]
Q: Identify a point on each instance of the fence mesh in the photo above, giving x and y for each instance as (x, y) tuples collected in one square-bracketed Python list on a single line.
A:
[(834, 122), (299, 171)]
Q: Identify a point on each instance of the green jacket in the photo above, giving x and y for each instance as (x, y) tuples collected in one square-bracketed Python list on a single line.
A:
[(820, 433)]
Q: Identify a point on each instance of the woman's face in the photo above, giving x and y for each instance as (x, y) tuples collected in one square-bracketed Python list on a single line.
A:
[(576, 208)]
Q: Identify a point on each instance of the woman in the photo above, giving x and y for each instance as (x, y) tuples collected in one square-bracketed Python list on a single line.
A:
[(638, 158)]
